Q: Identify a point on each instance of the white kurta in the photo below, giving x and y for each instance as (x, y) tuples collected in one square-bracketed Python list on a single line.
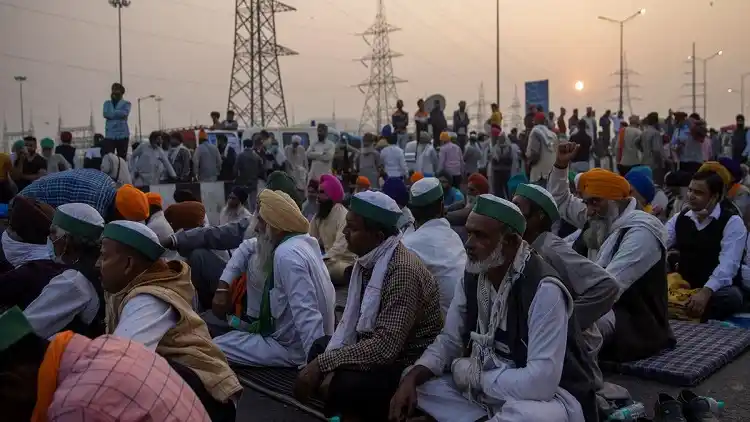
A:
[(510, 394), (146, 319), (442, 251), (302, 305), (67, 295)]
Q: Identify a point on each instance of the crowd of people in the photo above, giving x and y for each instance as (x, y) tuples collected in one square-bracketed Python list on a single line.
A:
[(486, 282)]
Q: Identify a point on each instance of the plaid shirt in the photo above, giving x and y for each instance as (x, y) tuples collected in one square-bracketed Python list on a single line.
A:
[(408, 320), (85, 186)]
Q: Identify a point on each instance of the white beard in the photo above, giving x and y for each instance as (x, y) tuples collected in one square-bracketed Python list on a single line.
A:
[(495, 260), (263, 250), (600, 228)]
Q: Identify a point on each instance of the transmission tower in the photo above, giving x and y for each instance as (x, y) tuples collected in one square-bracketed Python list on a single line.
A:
[(626, 85), (380, 89), (481, 117), (255, 92), (516, 120)]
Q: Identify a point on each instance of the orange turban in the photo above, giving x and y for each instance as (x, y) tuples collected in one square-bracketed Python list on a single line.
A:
[(416, 177), (185, 215), (480, 183), (363, 182), (154, 199), (600, 183), (131, 203), (719, 169)]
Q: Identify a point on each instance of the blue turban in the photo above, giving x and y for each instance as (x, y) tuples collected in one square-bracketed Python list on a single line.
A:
[(396, 189), (386, 132), (643, 169), (642, 184), (733, 166)]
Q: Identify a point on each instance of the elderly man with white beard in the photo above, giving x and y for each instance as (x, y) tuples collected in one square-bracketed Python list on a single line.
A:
[(290, 297), (628, 243), (510, 340)]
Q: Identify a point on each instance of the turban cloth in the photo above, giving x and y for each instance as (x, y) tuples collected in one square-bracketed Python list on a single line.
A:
[(540, 118), (600, 183), (280, 211), (363, 182), (496, 131), (395, 188), (66, 137), (185, 215), (480, 183), (154, 199), (30, 219), (416, 177), (332, 187), (131, 203), (445, 137), (240, 193), (734, 167), (719, 169), (642, 184)]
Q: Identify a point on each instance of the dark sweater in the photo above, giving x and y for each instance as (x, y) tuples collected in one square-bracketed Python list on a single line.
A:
[(69, 152)]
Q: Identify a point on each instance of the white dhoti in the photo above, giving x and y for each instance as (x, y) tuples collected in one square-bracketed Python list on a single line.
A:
[(255, 350), (441, 399)]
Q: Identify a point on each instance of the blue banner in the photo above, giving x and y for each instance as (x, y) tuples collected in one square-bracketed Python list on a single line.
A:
[(537, 93)]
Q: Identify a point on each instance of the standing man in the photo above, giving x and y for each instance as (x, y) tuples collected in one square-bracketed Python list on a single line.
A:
[(116, 112), (179, 157), (629, 147), (689, 150), (461, 122), (145, 162), (740, 139), (582, 160), (617, 121), (248, 168), (540, 151), (206, 159), (400, 120), (573, 121), (421, 119), (215, 120), (66, 149), (437, 121), (562, 128), (229, 157), (605, 123), (321, 154), (229, 123), (298, 165), (653, 148), (450, 159), (29, 166), (394, 161)]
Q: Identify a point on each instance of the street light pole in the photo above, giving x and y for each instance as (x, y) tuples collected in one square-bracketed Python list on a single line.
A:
[(140, 127), (622, 23), (158, 110), (119, 4), (742, 92), (497, 54), (21, 80), (705, 61)]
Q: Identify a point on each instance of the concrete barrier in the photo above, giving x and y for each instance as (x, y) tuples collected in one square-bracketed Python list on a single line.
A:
[(213, 195)]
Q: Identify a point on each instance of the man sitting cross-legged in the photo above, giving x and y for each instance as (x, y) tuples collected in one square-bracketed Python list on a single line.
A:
[(511, 342), (392, 314), (149, 302), (290, 298)]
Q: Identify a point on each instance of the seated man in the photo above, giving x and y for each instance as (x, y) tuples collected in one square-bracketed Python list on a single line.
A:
[(149, 302), (290, 298), (434, 242), (392, 314), (511, 348), (628, 243), (397, 190), (709, 237), (61, 380), (594, 290), (87, 186), (74, 299), (328, 225), (25, 249), (478, 185)]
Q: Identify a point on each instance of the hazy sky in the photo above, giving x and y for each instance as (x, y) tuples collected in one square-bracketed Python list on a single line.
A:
[(182, 51)]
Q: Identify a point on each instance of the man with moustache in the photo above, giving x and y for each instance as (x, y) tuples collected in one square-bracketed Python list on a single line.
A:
[(631, 245), (328, 228), (289, 296), (510, 341)]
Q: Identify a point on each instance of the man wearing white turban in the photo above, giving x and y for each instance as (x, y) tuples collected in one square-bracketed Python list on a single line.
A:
[(290, 298)]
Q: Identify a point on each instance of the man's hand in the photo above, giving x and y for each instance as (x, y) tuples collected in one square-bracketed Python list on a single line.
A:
[(308, 381), (221, 303), (698, 302), (404, 401), (565, 153)]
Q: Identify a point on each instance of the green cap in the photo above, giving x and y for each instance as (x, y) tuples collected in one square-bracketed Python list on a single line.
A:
[(136, 235), (425, 191), (501, 210), (541, 197), (376, 206), (13, 327), (47, 143)]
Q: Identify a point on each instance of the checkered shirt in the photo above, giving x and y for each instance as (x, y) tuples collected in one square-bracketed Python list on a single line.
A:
[(87, 186), (408, 321), (112, 379)]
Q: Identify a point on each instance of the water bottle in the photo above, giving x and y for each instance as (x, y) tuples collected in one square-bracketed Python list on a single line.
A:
[(628, 413), (717, 406)]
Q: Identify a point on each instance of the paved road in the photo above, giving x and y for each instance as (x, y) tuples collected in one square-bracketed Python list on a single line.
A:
[(729, 385)]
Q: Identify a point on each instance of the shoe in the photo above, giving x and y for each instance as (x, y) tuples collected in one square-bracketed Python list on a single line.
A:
[(696, 408), (667, 409)]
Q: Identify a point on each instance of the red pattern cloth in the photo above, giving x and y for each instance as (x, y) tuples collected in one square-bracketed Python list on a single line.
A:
[(111, 379)]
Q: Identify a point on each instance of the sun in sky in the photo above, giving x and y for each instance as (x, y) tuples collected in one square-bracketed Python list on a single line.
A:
[(579, 86)]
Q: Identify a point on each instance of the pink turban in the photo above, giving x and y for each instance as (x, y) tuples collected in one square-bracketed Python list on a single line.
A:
[(332, 187)]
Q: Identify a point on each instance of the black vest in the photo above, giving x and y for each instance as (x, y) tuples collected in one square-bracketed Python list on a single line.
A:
[(577, 376), (641, 323), (700, 249), (579, 245)]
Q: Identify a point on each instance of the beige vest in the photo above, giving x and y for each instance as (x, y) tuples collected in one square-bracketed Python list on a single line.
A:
[(189, 342)]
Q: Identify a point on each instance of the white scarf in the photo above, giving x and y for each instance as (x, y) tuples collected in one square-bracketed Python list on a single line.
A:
[(18, 253), (361, 319), (548, 135)]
